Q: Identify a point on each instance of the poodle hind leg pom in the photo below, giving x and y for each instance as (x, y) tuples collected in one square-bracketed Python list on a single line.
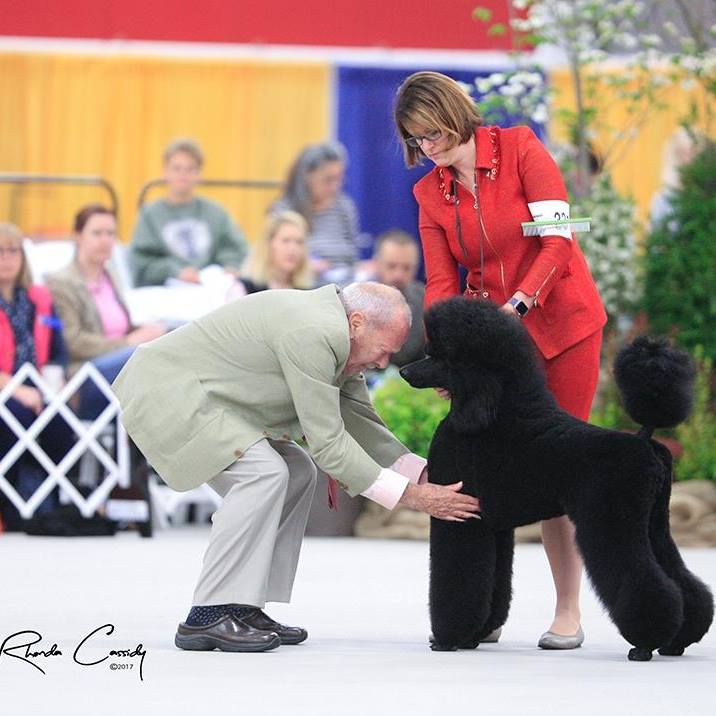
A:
[(697, 598), (642, 600)]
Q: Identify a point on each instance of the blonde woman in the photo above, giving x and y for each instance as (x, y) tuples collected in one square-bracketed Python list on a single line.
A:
[(280, 258), (30, 332)]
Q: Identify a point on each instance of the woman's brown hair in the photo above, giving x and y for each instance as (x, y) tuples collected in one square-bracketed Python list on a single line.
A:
[(87, 212), (434, 101)]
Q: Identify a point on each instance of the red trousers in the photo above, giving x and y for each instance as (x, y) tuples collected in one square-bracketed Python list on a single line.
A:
[(572, 376)]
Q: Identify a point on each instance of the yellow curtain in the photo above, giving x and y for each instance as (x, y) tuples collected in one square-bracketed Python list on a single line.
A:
[(637, 163), (113, 115)]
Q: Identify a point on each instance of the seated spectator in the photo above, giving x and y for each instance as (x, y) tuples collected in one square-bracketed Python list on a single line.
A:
[(280, 258), (30, 332), (177, 236), (96, 322), (314, 189), (396, 261)]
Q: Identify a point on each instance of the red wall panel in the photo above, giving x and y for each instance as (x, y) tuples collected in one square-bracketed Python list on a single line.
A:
[(352, 23)]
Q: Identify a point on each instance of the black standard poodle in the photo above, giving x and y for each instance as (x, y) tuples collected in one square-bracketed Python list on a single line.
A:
[(526, 460)]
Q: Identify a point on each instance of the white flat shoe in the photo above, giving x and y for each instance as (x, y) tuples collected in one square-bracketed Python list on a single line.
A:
[(493, 637), (550, 640)]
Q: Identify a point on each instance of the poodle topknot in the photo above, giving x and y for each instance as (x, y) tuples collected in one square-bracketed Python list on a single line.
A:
[(468, 330)]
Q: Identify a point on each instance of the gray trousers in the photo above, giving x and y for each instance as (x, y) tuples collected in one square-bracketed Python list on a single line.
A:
[(257, 531)]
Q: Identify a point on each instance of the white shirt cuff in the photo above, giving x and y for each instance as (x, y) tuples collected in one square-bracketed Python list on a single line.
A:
[(412, 466), (387, 489)]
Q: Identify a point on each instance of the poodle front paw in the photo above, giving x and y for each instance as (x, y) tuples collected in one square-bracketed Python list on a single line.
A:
[(639, 654), (671, 650), (434, 646), (469, 645), (437, 646)]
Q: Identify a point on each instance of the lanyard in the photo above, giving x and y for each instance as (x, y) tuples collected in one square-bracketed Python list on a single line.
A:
[(458, 226)]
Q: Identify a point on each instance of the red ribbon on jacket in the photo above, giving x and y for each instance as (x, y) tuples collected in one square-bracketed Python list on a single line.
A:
[(332, 494)]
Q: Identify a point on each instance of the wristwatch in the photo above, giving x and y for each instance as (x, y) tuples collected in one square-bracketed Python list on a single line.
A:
[(520, 306)]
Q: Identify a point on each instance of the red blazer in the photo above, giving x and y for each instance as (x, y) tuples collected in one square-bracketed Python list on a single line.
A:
[(42, 330), (513, 168)]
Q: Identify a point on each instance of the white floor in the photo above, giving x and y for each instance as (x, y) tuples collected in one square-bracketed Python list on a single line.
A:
[(365, 604)]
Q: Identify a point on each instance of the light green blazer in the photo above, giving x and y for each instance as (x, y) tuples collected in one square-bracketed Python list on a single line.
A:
[(266, 365)]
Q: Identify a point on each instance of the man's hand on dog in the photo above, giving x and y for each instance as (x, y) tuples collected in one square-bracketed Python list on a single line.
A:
[(445, 502)]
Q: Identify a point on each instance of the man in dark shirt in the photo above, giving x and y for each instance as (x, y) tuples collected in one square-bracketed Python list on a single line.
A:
[(397, 258)]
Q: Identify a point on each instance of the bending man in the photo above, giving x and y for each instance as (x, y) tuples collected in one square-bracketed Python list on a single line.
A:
[(223, 400)]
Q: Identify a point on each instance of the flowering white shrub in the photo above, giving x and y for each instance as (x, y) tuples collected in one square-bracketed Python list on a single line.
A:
[(610, 247), (680, 36), (517, 97)]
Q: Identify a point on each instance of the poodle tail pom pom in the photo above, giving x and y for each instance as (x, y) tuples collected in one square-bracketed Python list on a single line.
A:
[(656, 381)]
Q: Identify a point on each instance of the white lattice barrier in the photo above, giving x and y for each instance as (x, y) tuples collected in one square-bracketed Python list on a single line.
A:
[(117, 472)]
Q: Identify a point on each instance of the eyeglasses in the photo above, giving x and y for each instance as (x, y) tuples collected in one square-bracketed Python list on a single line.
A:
[(12, 252), (418, 141)]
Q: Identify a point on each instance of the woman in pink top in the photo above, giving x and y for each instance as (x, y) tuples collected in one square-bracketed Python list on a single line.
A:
[(96, 323)]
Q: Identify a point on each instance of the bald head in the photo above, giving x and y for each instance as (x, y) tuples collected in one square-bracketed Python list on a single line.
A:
[(379, 319), (380, 304)]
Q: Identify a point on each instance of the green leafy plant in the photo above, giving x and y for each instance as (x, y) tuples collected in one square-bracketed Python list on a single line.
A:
[(697, 435), (610, 415), (680, 260), (411, 415)]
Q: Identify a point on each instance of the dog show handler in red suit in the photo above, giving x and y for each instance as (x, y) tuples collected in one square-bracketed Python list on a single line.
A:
[(486, 181)]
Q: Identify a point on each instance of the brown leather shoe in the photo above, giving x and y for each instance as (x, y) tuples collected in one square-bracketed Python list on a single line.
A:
[(288, 634), (225, 634)]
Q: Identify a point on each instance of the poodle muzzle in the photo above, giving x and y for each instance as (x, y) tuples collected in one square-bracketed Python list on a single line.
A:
[(423, 373)]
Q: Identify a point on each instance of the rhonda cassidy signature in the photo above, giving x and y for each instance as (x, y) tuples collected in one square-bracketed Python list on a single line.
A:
[(18, 646)]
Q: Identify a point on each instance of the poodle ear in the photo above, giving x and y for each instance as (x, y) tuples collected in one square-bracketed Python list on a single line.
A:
[(473, 409)]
